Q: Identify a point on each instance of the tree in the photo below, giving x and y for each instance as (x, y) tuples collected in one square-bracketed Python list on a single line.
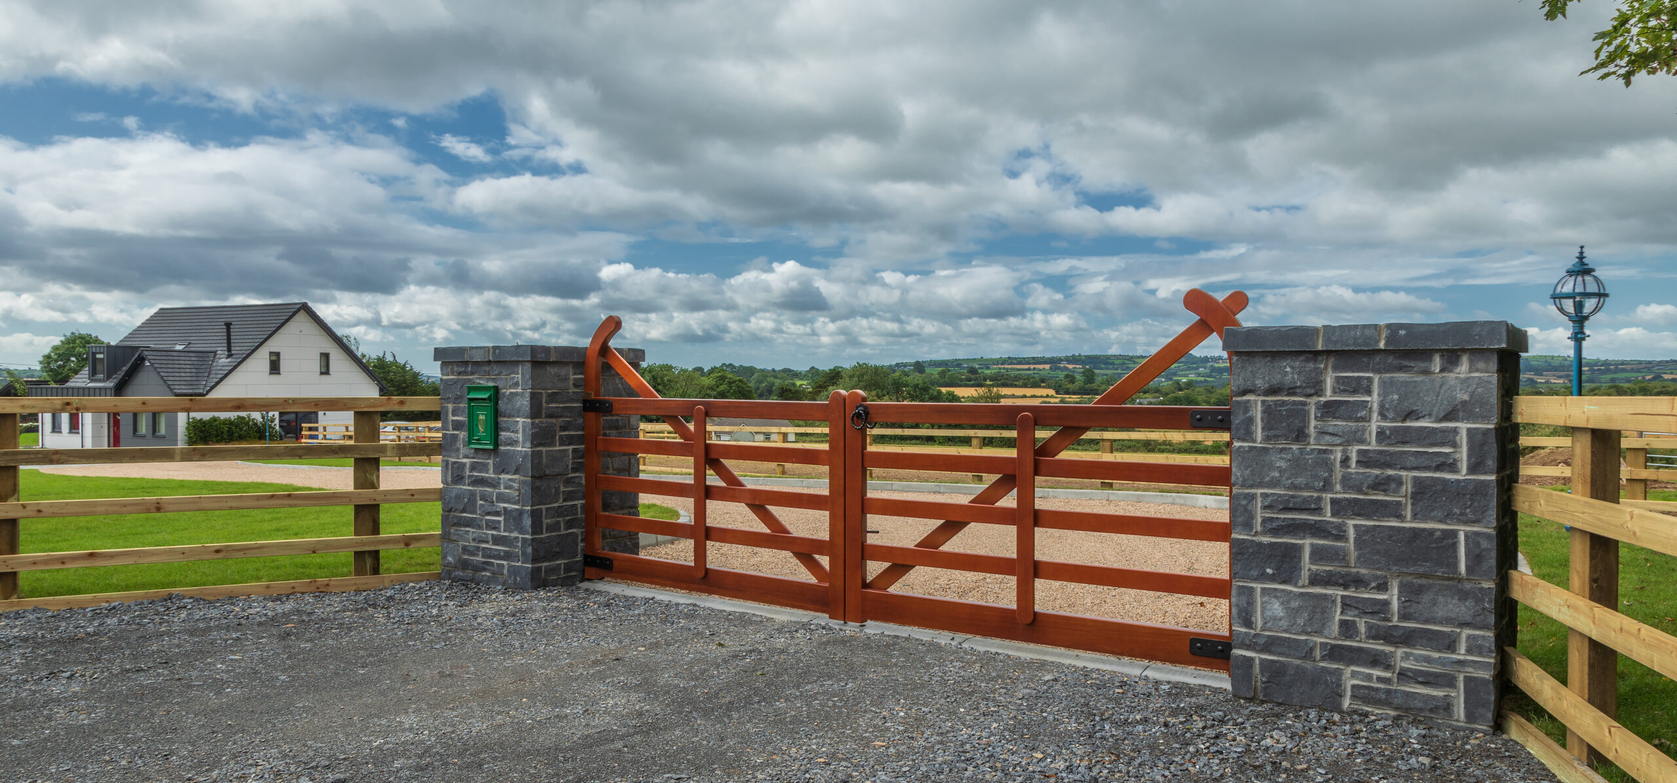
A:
[(61, 362), (402, 380), (989, 395), (1642, 39), (1089, 376), (400, 377), (790, 391), (919, 368), (15, 384), (675, 383), (725, 385)]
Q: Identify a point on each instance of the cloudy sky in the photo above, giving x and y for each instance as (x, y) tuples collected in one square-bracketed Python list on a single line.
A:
[(824, 182)]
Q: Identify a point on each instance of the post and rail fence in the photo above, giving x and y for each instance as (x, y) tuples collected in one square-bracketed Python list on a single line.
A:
[(1587, 703), (366, 498)]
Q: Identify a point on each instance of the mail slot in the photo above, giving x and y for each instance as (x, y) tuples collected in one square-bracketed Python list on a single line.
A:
[(480, 416)]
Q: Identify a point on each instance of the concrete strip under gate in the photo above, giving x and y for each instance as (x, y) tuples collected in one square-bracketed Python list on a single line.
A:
[(1156, 671)]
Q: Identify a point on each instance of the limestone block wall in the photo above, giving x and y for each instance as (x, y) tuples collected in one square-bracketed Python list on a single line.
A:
[(1372, 515)]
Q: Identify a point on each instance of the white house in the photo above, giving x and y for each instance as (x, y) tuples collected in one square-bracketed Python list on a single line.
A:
[(267, 350)]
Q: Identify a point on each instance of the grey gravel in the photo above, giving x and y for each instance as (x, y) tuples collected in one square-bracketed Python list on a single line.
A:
[(449, 682)]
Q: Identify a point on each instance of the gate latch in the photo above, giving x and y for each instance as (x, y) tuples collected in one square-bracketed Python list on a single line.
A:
[(1209, 648), (859, 418), (1209, 419), (596, 406), (597, 561)]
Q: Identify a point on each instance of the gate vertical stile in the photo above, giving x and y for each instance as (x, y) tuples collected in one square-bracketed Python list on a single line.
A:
[(855, 515), (592, 372), (700, 490), (837, 558), (1024, 501)]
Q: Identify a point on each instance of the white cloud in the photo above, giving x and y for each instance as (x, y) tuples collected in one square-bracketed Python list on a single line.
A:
[(1339, 304), (1346, 164), (1656, 315), (464, 149), (25, 349), (1630, 342)]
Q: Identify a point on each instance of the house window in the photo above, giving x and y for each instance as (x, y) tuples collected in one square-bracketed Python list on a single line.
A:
[(273, 363), (75, 421), (140, 421), (96, 364), (157, 428), (57, 422), (325, 363)]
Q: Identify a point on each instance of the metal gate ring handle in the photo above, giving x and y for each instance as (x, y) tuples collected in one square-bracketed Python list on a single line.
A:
[(859, 418)]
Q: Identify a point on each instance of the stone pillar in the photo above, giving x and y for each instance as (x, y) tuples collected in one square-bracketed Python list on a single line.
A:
[(513, 516), (1372, 515)]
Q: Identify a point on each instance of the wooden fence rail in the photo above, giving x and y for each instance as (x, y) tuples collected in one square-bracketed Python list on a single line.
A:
[(366, 498), (389, 432), (1597, 633)]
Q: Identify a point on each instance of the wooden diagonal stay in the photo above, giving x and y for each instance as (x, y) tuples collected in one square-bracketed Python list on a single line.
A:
[(599, 348), (1214, 316)]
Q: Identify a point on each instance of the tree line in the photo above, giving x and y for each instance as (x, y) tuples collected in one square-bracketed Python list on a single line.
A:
[(887, 384)]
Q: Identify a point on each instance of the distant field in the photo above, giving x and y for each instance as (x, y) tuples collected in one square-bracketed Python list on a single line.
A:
[(1006, 391)]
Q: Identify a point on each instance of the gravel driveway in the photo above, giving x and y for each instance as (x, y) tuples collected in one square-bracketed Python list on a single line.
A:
[(1169, 555), (449, 682)]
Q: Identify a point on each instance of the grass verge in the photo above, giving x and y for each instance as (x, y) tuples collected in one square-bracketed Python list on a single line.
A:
[(28, 440), (655, 511), (71, 534), (1647, 593)]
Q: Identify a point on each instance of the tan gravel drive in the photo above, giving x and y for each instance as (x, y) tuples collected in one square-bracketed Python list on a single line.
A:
[(1145, 552)]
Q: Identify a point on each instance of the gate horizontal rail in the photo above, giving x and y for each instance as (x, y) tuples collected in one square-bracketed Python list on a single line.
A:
[(840, 585)]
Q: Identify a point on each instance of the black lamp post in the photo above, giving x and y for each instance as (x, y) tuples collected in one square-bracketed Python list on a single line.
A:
[(1578, 295)]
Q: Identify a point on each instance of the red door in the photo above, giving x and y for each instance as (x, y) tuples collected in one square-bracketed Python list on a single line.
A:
[(116, 430)]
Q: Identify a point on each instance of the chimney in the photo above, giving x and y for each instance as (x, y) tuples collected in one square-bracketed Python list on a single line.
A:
[(229, 326)]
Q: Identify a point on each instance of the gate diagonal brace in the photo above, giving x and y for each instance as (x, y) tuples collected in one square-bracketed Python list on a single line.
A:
[(1214, 316), (599, 350)]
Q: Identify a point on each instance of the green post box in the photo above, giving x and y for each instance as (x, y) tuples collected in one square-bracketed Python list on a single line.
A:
[(480, 416)]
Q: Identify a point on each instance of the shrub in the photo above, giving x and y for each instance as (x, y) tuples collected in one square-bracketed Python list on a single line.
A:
[(213, 430)]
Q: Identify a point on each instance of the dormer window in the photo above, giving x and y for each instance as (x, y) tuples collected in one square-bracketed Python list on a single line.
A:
[(96, 363)]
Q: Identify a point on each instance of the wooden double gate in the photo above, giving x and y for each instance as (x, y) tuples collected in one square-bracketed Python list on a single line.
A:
[(850, 578)]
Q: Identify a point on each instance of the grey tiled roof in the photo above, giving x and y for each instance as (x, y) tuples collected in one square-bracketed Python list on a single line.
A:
[(188, 345)]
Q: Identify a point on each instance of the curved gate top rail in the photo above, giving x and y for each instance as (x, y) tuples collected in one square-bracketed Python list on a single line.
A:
[(838, 584)]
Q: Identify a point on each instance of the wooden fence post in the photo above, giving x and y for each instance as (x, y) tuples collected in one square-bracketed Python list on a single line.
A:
[(1636, 489), (780, 467), (8, 494), (1592, 668), (1106, 448), (365, 476)]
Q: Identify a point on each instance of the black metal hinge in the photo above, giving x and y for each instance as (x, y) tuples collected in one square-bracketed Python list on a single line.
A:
[(596, 406), (604, 564), (1209, 419), (1209, 648)]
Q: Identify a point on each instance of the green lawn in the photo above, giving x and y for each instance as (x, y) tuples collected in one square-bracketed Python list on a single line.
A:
[(200, 527), (655, 511), (28, 440), (72, 534), (1647, 592)]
